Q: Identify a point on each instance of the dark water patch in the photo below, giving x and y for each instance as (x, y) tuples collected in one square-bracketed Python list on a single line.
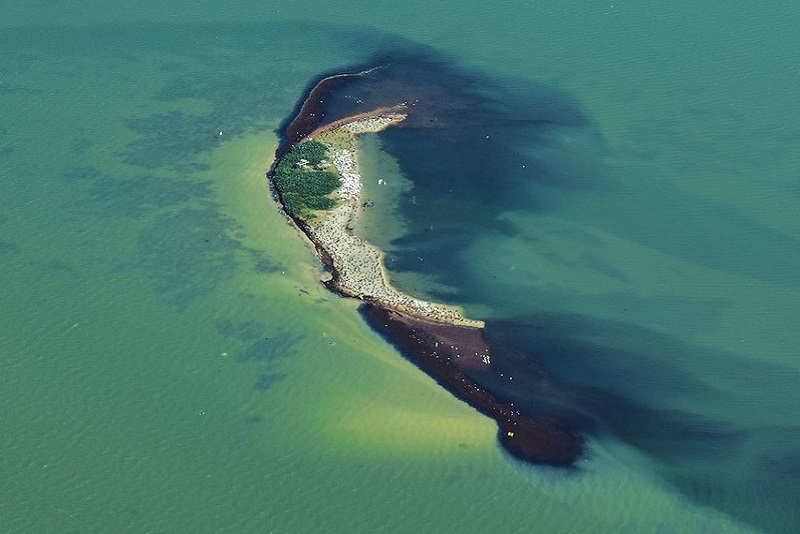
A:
[(264, 350), (263, 264), (431, 253), (6, 146), (58, 268), (761, 490), (8, 87), (239, 98), (233, 76), (81, 145), (697, 230), (267, 380), (136, 195), (146, 192), (780, 485), (703, 415), (591, 260), (795, 190), (247, 330), (167, 138), (258, 344), (254, 419), (188, 252), (83, 173), (168, 195), (7, 247)]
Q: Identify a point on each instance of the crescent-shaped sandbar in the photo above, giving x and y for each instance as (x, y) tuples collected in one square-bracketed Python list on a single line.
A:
[(438, 338)]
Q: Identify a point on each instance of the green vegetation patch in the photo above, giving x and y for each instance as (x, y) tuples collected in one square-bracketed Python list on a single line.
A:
[(303, 182)]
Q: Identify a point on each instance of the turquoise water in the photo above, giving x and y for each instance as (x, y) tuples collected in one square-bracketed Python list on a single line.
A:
[(170, 363)]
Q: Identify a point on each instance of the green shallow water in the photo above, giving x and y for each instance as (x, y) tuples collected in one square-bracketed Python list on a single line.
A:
[(169, 361)]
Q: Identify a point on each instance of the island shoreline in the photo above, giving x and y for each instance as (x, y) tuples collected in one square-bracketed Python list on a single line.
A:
[(438, 339)]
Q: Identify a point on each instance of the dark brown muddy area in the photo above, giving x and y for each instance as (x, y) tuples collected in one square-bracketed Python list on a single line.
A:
[(446, 352)]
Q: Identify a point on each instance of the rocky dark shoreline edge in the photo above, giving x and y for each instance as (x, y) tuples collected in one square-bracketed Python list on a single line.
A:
[(441, 350)]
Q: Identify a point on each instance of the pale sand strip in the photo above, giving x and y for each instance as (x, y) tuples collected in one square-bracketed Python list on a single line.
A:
[(359, 265), (370, 121)]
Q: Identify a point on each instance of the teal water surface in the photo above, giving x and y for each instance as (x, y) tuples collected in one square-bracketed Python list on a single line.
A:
[(170, 363)]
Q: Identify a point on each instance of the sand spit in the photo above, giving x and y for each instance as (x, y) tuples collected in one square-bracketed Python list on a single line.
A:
[(438, 339), (358, 266), (372, 121)]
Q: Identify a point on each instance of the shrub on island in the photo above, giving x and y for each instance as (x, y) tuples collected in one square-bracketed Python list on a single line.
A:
[(303, 183), (312, 151)]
